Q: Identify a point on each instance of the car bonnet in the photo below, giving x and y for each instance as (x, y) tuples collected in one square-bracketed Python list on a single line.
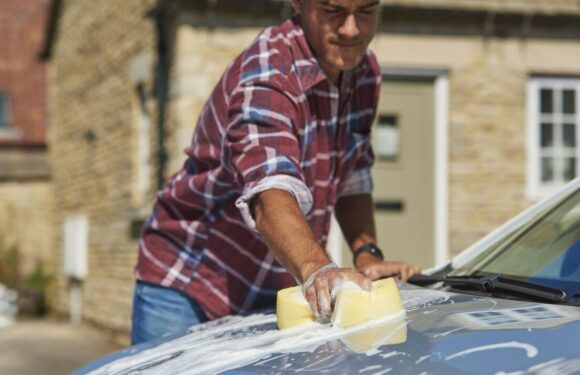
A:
[(439, 332)]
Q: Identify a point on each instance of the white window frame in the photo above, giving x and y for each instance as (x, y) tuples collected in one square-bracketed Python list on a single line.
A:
[(536, 189)]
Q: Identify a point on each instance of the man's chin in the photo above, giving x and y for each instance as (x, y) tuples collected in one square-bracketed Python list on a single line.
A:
[(349, 64)]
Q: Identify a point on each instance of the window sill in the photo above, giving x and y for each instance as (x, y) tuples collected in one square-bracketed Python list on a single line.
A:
[(10, 134)]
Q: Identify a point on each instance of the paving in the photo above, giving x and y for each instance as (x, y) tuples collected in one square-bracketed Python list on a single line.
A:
[(50, 347)]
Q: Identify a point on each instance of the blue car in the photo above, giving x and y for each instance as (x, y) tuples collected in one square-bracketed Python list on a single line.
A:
[(509, 304)]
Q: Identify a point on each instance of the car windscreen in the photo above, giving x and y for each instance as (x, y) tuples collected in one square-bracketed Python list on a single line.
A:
[(545, 251)]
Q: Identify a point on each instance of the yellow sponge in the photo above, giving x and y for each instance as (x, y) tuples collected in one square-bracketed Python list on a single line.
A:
[(390, 332), (352, 305), (292, 309)]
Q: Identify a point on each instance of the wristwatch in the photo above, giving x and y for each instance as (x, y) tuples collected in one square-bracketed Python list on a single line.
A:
[(368, 248)]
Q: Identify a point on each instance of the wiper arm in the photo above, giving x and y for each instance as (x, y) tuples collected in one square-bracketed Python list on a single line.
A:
[(495, 282)]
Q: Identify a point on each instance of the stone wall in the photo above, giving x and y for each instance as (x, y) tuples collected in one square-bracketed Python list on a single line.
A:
[(487, 138), (193, 78), (25, 222), (94, 117)]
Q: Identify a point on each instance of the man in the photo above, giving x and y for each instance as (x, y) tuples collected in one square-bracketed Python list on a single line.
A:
[(282, 142)]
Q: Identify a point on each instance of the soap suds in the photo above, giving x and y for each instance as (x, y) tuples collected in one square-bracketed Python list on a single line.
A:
[(339, 284), (392, 354), (422, 359), (239, 341), (369, 368), (531, 351), (559, 366), (443, 334), (413, 299), (299, 296)]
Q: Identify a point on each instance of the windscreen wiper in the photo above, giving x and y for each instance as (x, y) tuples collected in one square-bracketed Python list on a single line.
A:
[(496, 283)]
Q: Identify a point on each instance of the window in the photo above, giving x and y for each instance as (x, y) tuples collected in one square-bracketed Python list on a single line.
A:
[(386, 137), (553, 133), (4, 110)]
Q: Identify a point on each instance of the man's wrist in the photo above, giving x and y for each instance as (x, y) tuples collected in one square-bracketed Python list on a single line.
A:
[(367, 252), (310, 268)]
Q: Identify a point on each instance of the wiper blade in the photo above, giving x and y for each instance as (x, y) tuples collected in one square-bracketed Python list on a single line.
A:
[(495, 283)]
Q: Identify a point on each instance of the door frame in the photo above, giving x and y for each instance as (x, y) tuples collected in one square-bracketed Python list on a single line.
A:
[(440, 80)]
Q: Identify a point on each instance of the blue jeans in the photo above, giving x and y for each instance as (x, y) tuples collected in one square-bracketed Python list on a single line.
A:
[(159, 311)]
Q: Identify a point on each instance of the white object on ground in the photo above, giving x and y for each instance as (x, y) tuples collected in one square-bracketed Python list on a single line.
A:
[(8, 307)]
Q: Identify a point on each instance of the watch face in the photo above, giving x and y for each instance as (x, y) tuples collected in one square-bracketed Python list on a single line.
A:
[(376, 251)]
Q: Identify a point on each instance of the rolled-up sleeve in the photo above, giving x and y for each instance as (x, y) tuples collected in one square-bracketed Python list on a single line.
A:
[(282, 182), (261, 148)]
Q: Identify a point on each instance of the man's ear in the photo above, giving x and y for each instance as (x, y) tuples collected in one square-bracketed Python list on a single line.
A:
[(298, 5)]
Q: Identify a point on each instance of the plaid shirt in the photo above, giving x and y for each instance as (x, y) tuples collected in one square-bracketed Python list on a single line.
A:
[(273, 121)]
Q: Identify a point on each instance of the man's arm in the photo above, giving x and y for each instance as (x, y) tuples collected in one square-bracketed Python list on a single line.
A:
[(355, 214), (287, 234)]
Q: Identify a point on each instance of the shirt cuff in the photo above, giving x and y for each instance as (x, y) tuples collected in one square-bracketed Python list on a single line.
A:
[(282, 182), (359, 182)]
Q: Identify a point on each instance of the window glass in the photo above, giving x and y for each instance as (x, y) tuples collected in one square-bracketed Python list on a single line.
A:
[(387, 137), (547, 169), (547, 135), (569, 169), (569, 135), (547, 101), (569, 102), (4, 110)]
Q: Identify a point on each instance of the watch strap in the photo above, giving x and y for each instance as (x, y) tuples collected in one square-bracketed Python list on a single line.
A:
[(370, 248)]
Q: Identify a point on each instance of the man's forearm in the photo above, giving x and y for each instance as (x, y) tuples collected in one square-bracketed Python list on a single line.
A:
[(287, 234), (356, 218)]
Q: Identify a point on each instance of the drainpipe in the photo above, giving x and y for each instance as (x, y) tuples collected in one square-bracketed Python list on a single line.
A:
[(161, 89)]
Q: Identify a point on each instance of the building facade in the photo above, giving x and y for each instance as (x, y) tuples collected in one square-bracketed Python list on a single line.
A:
[(25, 188), (477, 120)]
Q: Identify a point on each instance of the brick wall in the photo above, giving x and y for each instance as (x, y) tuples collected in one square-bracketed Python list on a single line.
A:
[(93, 145), (22, 74)]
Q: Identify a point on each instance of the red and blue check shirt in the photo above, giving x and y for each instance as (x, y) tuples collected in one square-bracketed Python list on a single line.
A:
[(274, 120)]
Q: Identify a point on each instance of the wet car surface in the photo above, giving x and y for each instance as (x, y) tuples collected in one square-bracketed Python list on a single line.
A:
[(486, 312), (441, 333)]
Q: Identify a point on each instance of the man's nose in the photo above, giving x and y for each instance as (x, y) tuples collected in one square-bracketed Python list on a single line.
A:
[(349, 27)]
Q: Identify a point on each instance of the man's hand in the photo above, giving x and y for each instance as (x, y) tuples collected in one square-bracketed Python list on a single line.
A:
[(321, 287), (374, 268)]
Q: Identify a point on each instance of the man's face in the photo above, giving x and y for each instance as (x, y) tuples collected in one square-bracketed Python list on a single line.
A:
[(338, 31)]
